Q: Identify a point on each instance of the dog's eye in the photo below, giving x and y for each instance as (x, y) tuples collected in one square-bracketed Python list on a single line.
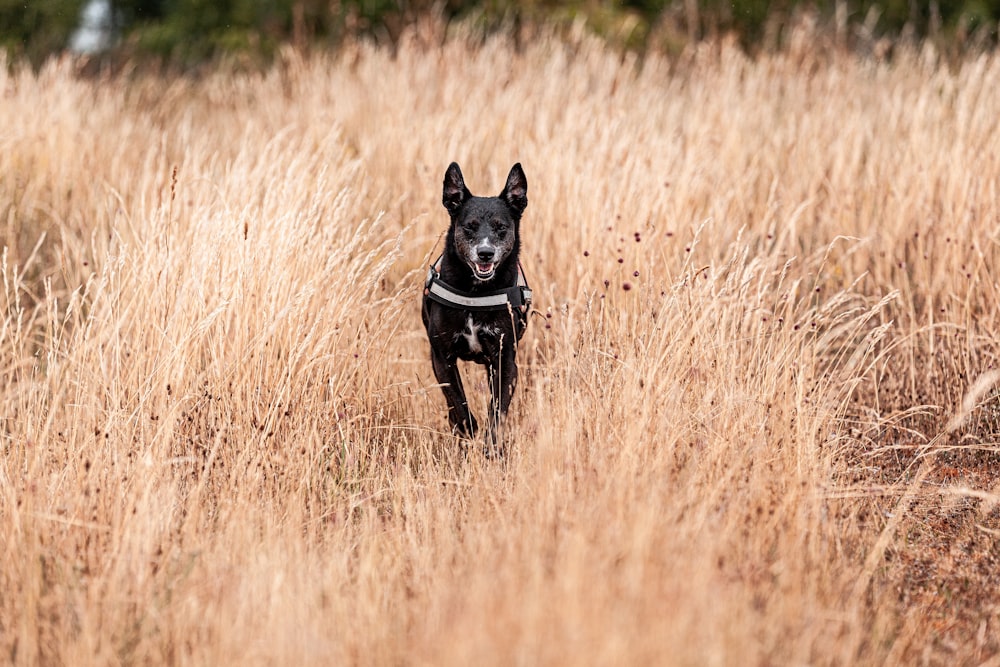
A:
[(470, 226)]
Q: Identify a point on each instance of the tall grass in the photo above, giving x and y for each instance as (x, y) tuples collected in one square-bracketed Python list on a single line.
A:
[(763, 288)]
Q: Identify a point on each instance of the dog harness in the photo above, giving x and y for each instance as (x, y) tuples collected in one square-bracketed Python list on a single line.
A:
[(517, 297)]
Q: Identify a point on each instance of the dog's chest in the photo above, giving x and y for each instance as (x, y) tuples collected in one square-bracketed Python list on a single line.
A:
[(471, 335), (474, 334)]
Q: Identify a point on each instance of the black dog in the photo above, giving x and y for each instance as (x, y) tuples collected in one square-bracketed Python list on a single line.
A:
[(476, 299)]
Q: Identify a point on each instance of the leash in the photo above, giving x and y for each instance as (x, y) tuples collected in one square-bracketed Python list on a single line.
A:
[(517, 297)]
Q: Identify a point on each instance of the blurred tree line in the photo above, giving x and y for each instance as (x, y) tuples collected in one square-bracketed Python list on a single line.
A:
[(187, 32)]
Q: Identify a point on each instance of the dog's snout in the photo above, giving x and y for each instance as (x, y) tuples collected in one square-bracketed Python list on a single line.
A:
[(486, 253)]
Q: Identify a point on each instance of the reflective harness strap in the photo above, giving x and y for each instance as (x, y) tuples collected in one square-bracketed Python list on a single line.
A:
[(517, 297)]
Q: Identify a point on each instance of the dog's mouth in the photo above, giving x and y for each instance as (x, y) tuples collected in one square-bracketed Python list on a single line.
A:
[(484, 271)]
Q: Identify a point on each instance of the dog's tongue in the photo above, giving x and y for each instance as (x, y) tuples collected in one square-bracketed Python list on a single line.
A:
[(484, 268)]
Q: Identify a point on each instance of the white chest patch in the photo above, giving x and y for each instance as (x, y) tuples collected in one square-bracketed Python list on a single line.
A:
[(471, 334)]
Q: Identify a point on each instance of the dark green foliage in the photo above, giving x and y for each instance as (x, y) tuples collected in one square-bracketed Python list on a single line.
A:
[(961, 17), (35, 28), (187, 32)]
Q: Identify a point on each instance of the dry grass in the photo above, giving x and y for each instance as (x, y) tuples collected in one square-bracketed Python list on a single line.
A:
[(222, 444)]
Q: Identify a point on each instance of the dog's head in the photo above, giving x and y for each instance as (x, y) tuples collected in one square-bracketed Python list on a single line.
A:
[(485, 231)]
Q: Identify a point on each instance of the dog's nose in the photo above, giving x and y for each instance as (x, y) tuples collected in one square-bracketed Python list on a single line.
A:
[(486, 253)]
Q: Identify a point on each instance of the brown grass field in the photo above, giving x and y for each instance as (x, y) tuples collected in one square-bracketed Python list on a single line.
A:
[(221, 442)]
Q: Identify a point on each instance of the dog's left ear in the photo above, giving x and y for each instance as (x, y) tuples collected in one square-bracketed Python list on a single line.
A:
[(515, 193)]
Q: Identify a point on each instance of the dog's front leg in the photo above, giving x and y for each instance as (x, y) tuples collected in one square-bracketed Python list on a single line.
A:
[(503, 378), (448, 377)]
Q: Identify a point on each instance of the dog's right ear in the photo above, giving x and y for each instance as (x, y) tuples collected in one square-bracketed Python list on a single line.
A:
[(455, 193)]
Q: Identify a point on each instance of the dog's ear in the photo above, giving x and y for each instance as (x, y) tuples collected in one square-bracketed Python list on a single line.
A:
[(455, 193), (515, 193)]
